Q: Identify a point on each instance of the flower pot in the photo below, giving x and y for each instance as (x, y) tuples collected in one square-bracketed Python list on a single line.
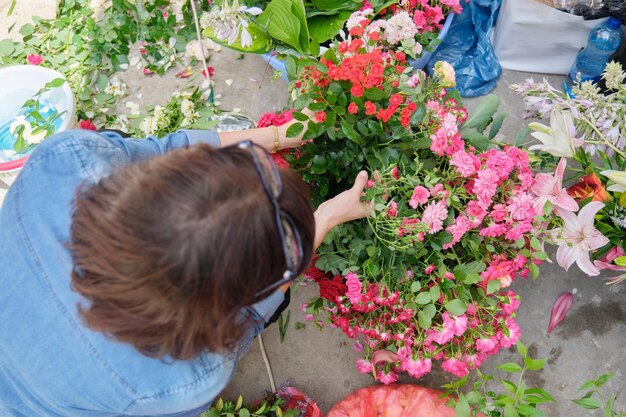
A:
[(20, 83)]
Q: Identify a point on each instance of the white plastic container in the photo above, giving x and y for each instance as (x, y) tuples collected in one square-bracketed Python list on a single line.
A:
[(18, 83)]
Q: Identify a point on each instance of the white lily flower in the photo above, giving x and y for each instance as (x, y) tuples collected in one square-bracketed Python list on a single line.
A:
[(618, 177), (560, 138)]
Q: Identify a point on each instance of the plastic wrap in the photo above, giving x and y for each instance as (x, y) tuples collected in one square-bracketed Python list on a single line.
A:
[(468, 48)]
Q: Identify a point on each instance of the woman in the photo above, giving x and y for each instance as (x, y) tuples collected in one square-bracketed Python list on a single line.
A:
[(135, 273)]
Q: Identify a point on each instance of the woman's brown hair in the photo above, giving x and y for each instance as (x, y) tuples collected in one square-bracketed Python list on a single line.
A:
[(169, 251)]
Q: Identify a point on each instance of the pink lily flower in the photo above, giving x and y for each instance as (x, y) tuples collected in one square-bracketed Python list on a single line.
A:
[(559, 309), (579, 237), (606, 263), (550, 188)]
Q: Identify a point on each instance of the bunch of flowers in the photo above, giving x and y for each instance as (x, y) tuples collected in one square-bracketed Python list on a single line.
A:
[(369, 107), (589, 129), (409, 26), (427, 279)]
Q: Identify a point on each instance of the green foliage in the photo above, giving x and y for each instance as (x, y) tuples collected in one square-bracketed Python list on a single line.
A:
[(270, 407), (596, 399), (88, 48), (511, 399)]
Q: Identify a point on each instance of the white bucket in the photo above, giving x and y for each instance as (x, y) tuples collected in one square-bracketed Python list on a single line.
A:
[(18, 83)]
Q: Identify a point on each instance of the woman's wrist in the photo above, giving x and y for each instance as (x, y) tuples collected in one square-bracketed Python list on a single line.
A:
[(324, 223)]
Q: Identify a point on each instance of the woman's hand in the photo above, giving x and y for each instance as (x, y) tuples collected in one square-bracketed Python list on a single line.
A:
[(343, 208)]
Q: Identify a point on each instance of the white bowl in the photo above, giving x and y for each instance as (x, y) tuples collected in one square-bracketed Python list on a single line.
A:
[(18, 83)]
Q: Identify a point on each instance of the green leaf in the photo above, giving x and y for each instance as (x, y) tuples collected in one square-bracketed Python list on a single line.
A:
[(244, 412), (534, 364), (6, 47), (509, 386), (534, 270), (496, 125), (285, 21), (423, 298), (349, 131), (588, 403), (374, 94), (510, 367), (472, 278), (219, 405), (483, 113), (456, 307), (323, 28), (510, 411), (535, 243), (462, 407), (493, 286), (423, 320), (522, 349), (416, 286), (27, 30), (522, 135), (57, 82), (319, 106), (299, 116), (294, 130)]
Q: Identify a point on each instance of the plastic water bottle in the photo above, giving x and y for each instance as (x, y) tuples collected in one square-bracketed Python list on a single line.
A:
[(603, 42)]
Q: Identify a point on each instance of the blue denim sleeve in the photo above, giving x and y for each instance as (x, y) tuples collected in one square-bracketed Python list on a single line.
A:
[(141, 149), (259, 313)]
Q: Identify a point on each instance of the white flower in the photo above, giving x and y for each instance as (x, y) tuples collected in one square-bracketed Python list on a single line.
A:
[(400, 27), (115, 87), (121, 123), (560, 138), (189, 120), (357, 17), (27, 133), (133, 107), (195, 49), (229, 21), (187, 108), (613, 75), (618, 177), (147, 126)]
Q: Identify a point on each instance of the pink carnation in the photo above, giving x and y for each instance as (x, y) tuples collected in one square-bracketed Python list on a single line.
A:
[(458, 229), (521, 206), (485, 186), (416, 368), (392, 210), (354, 287), (488, 346), (501, 163), (434, 215), (386, 379), (494, 230), (420, 196), (466, 164), (457, 324), (455, 367), (365, 367), (511, 335)]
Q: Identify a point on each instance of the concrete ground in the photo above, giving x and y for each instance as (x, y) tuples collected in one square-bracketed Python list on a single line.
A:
[(588, 343)]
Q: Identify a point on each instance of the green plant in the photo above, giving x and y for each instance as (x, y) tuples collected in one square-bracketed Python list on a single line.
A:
[(36, 124), (595, 399), (89, 46), (270, 407), (511, 400)]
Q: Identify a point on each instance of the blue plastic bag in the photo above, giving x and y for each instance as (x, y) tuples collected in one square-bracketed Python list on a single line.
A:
[(468, 48)]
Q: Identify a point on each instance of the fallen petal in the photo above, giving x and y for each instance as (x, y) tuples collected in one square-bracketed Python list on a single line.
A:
[(381, 356), (229, 82), (559, 310), (211, 71), (186, 73)]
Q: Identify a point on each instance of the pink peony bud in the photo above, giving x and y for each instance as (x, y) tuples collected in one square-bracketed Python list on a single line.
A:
[(559, 310)]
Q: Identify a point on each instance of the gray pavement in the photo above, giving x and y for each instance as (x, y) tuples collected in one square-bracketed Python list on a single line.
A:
[(590, 341)]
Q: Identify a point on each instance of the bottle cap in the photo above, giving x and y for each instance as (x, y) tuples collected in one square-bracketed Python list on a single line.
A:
[(614, 22)]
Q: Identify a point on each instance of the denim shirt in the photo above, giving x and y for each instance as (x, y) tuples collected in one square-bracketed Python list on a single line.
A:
[(51, 365)]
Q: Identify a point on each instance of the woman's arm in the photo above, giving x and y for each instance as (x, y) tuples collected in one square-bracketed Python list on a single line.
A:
[(343, 208)]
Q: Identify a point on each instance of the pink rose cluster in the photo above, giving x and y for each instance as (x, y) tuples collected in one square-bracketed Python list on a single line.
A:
[(388, 329)]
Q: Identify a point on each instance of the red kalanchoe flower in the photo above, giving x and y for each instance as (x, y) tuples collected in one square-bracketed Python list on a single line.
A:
[(353, 108), (87, 125), (320, 116), (400, 56), (559, 310), (370, 108), (34, 59), (357, 90), (357, 31), (396, 99), (374, 36)]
